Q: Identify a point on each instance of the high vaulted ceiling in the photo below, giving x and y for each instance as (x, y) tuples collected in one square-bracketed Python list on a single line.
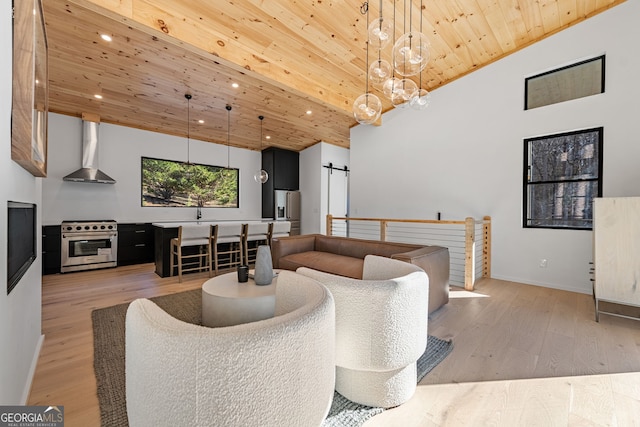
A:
[(287, 56)]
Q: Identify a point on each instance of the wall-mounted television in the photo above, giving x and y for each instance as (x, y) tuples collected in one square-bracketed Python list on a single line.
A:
[(21, 240), (167, 183)]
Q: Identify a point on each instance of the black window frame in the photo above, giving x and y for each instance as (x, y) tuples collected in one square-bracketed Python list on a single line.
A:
[(528, 222)]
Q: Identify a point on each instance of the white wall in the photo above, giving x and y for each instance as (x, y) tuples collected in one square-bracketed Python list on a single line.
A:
[(120, 151), (463, 156), (20, 311), (313, 183), (310, 189)]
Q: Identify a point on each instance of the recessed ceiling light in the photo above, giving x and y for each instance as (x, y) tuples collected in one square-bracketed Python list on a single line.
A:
[(97, 96), (201, 121), (106, 37), (308, 112), (235, 85), (267, 137)]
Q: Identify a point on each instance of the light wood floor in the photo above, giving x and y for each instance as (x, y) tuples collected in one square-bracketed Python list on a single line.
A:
[(502, 331), (526, 355)]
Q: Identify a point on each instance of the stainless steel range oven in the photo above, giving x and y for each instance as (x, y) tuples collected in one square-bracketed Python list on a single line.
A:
[(88, 245)]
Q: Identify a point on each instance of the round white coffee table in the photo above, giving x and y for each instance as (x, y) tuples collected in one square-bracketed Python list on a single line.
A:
[(227, 302)]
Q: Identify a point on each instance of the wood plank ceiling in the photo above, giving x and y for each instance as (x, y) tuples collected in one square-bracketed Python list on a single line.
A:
[(287, 56)]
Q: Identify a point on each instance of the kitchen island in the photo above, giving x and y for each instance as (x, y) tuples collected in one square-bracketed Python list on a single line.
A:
[(167, 230)]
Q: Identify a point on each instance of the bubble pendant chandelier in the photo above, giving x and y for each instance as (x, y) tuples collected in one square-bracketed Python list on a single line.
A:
[(395, 79), (261, 176), (367, 107)]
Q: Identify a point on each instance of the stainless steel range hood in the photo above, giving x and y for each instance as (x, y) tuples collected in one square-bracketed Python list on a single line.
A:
[(89, 171)]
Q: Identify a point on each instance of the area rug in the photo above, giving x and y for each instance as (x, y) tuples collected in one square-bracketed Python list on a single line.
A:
[(109, 353)]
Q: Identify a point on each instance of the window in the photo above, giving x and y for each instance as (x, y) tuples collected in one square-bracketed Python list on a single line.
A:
[(167, 183), (562, 175), (574, 81)]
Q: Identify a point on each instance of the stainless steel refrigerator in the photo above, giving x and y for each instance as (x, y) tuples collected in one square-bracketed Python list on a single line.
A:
[(287, 208)]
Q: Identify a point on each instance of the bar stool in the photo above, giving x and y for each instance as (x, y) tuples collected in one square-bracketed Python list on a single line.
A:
[(279, 229), (254, 235), (190, 236), (226, 245)]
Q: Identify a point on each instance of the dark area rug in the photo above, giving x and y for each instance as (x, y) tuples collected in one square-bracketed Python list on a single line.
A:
[(109, 352)]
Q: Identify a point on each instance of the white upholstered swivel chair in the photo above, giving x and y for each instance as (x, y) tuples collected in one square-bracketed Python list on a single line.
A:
[(381, 329), (274, 372)]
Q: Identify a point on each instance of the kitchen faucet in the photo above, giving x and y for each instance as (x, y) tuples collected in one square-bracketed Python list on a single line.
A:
[(198, 213)]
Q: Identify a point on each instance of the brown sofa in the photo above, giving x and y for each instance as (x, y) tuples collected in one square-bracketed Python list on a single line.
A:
[(345, 257)]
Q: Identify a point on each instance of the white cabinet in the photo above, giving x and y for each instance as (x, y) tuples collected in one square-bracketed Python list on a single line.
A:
[(616, 238)]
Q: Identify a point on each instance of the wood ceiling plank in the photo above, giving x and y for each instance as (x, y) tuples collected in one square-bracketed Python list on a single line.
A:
[(461, 54), (495, 42), (584, 7), (532, 19), (567, 12), (487, 16), (326, 29), (121, 7), (515, 22), (550, 14), (603, 4)]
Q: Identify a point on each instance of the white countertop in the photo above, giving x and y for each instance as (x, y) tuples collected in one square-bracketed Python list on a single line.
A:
[(176, 224)]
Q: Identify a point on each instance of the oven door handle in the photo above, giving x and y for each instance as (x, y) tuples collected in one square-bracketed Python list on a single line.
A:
[(90, 236)]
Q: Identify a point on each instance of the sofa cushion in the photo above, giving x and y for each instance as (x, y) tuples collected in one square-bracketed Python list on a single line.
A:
[(359, 248), (324, 261)]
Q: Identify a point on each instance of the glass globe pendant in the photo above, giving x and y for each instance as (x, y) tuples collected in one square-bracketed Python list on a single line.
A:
[(421, 100), (380, 32), (404, 92), (367, 109), (410, 53), (379, 72), (391, 86), (261, 176)]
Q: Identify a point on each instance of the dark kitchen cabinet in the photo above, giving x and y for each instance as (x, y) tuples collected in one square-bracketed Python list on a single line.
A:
[(162, 253), (283, 167), (51, 249), (286, 170), (135, 243)]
